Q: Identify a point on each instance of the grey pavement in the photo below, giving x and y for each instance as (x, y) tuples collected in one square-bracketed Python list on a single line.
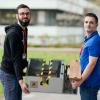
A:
[(48, 96), (52, 96)]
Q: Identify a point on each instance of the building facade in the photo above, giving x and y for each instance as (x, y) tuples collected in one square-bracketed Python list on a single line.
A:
[(53, 21)]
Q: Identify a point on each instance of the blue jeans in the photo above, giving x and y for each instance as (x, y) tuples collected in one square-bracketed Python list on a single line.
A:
[(12, 90), (88, 93)]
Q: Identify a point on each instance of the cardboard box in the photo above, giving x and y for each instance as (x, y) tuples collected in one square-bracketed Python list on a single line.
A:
[(74, 70)]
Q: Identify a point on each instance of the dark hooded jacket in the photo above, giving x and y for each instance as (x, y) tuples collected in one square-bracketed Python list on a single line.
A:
[(12, 61)]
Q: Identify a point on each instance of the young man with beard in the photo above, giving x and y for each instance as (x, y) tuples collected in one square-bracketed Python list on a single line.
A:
[(14, 59), (90, 60)]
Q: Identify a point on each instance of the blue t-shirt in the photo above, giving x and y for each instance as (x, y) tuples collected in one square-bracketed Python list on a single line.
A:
[(91, 47)]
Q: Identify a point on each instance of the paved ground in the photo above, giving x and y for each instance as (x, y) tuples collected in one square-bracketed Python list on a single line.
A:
[(48, 96), (52, 96)]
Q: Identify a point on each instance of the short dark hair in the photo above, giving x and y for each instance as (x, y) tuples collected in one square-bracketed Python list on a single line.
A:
[(92, 15), (21, 6)]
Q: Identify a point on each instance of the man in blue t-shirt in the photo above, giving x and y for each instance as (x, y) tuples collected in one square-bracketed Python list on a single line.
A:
[(90, 60)]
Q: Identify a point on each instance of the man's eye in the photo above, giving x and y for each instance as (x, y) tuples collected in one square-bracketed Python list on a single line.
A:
[(24, 13), (91, 22), (86, 22)]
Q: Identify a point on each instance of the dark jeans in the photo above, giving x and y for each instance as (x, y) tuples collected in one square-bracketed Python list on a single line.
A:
[(12, 90), (88, 93)]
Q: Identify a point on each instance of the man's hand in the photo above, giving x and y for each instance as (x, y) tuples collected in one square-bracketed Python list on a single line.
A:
[(76, 83), (24, 86)]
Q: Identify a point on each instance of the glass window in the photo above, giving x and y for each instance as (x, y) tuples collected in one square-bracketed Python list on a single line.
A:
[(51, 18), (7, 17), (33, 18), (68, 19)]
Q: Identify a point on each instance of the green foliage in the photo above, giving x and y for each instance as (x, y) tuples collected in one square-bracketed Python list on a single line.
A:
[(0, 89), (1, 53), (96, 2), (48, 55)]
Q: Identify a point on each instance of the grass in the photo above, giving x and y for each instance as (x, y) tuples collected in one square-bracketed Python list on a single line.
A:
[(66, 56), (49, 55), (0, 89)]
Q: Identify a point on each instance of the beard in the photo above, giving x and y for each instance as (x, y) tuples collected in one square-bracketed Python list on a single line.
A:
[(24, 24)]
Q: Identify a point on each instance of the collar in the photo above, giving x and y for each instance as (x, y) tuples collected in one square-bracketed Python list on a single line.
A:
[(86, 38)]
